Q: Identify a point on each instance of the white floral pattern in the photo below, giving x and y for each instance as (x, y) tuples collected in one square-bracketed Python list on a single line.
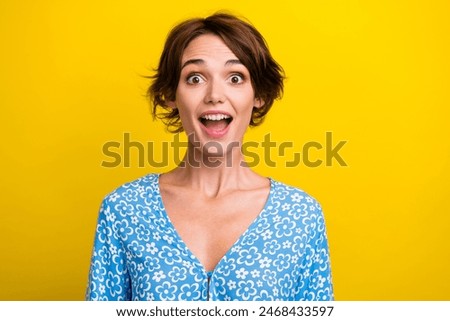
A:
[(138, 255)]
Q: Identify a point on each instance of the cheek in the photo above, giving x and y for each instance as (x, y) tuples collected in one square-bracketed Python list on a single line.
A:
[(186, 101), (187, 97), (244, 100)]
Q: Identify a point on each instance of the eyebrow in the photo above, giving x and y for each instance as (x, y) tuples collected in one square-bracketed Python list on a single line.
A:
[(202, 62), (233, 62)]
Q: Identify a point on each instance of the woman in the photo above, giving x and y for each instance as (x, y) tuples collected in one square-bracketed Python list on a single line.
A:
[(211, 229)]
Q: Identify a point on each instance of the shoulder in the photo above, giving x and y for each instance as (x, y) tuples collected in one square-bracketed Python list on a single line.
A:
[(296, 210), (292, 195), (142, 188)]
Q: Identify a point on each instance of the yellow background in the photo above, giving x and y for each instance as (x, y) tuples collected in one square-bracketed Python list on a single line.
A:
[(374, 73)]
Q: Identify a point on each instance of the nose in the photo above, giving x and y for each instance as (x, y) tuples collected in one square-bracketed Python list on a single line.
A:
[(215, 92)]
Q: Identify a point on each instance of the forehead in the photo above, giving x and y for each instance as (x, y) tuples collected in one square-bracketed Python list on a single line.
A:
[(207, 47)]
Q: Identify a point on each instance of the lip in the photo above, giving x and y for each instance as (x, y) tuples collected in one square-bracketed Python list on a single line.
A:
[(214, 133)]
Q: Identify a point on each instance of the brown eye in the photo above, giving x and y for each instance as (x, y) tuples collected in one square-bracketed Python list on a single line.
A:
[(236, 79), (194, 79)]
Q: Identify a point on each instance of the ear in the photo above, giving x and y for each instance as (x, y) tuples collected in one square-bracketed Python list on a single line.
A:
[(172, 104), (258, 103)]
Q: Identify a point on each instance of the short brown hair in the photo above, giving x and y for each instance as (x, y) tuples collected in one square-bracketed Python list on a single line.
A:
[(243, 40)]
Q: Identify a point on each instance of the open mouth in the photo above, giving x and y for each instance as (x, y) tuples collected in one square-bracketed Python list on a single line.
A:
[(216, 122)]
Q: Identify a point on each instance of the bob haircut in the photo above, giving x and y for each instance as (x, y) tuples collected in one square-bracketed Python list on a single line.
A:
[(243, 40)]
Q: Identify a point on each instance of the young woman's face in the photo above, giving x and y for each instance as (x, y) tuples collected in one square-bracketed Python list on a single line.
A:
[(215, 97)]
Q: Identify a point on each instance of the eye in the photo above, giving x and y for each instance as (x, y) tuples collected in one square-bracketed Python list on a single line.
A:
[(236, 79), (194, 79)]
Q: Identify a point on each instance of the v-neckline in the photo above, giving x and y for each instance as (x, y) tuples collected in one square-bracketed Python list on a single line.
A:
[(235, 244)]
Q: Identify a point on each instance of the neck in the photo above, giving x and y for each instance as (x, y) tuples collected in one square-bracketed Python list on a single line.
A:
[(213, 174)]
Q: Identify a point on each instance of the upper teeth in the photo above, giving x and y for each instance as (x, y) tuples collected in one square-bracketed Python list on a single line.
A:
[(215, 116)]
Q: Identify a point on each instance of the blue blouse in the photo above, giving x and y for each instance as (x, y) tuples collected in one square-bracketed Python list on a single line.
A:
[(138, 254)]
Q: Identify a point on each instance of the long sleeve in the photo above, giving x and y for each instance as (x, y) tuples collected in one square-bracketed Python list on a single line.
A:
[(108, 276), (315, 282)]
